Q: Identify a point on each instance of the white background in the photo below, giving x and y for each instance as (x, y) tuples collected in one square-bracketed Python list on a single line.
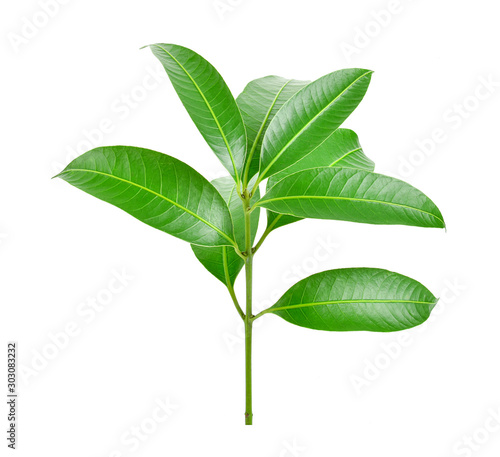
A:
[(171, 332)]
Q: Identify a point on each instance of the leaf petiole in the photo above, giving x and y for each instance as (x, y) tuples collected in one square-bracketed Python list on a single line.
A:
[(261, 314), (268, 230), (235, 301)]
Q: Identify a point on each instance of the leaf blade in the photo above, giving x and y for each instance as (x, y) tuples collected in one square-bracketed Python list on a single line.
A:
[(352, 195), (208, 101), (224, 263), (151, 186), (259, 102), (309, 117), (341, 149), (356, 299)]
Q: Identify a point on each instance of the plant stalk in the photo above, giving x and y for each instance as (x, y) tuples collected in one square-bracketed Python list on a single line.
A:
[(248, 313), (248, 346)]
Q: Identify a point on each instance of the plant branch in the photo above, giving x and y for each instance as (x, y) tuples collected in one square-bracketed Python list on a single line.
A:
[(249, 159), (229, 286), (235, 301), (261, 314), (256, 185), (248, 315), (268, 230), (237, 249)]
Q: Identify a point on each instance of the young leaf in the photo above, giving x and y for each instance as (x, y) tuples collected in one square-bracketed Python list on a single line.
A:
[(352, 195), (157, 189), (352, 299), (259, 102), (310, 117), (341, 149), (223, 262), (208, 101)]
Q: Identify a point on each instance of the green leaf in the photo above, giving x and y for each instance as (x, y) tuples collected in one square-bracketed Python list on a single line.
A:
[(341, 149), (259, 102), (310, 117), (223, 262), (208, 101), (276, 220), (157, 189), (356, 299), (352, 195)]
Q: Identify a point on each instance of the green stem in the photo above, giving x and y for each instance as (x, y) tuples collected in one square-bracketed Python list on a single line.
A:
[(248, 359), (268, 310), (235, 301), (267, 232), (229, 286), (248, 314)]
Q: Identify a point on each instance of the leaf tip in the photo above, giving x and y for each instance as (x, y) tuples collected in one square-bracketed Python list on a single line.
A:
[(152, 46), (367, 72), (442, 223)]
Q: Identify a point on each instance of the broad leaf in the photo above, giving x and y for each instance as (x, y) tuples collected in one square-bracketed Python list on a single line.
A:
[(259, 102), (223, 262), (157, 189), (341, 149), (208, 101), (356, 299), (276, 220), (310, 117), (352, 195)]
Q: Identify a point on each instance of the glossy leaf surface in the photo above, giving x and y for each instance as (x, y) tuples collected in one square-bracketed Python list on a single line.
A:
[(352, 195), (310, 117), (223, 262), (356, 299), (341, 149), (259, 102), (208, 101), (157, 189)]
